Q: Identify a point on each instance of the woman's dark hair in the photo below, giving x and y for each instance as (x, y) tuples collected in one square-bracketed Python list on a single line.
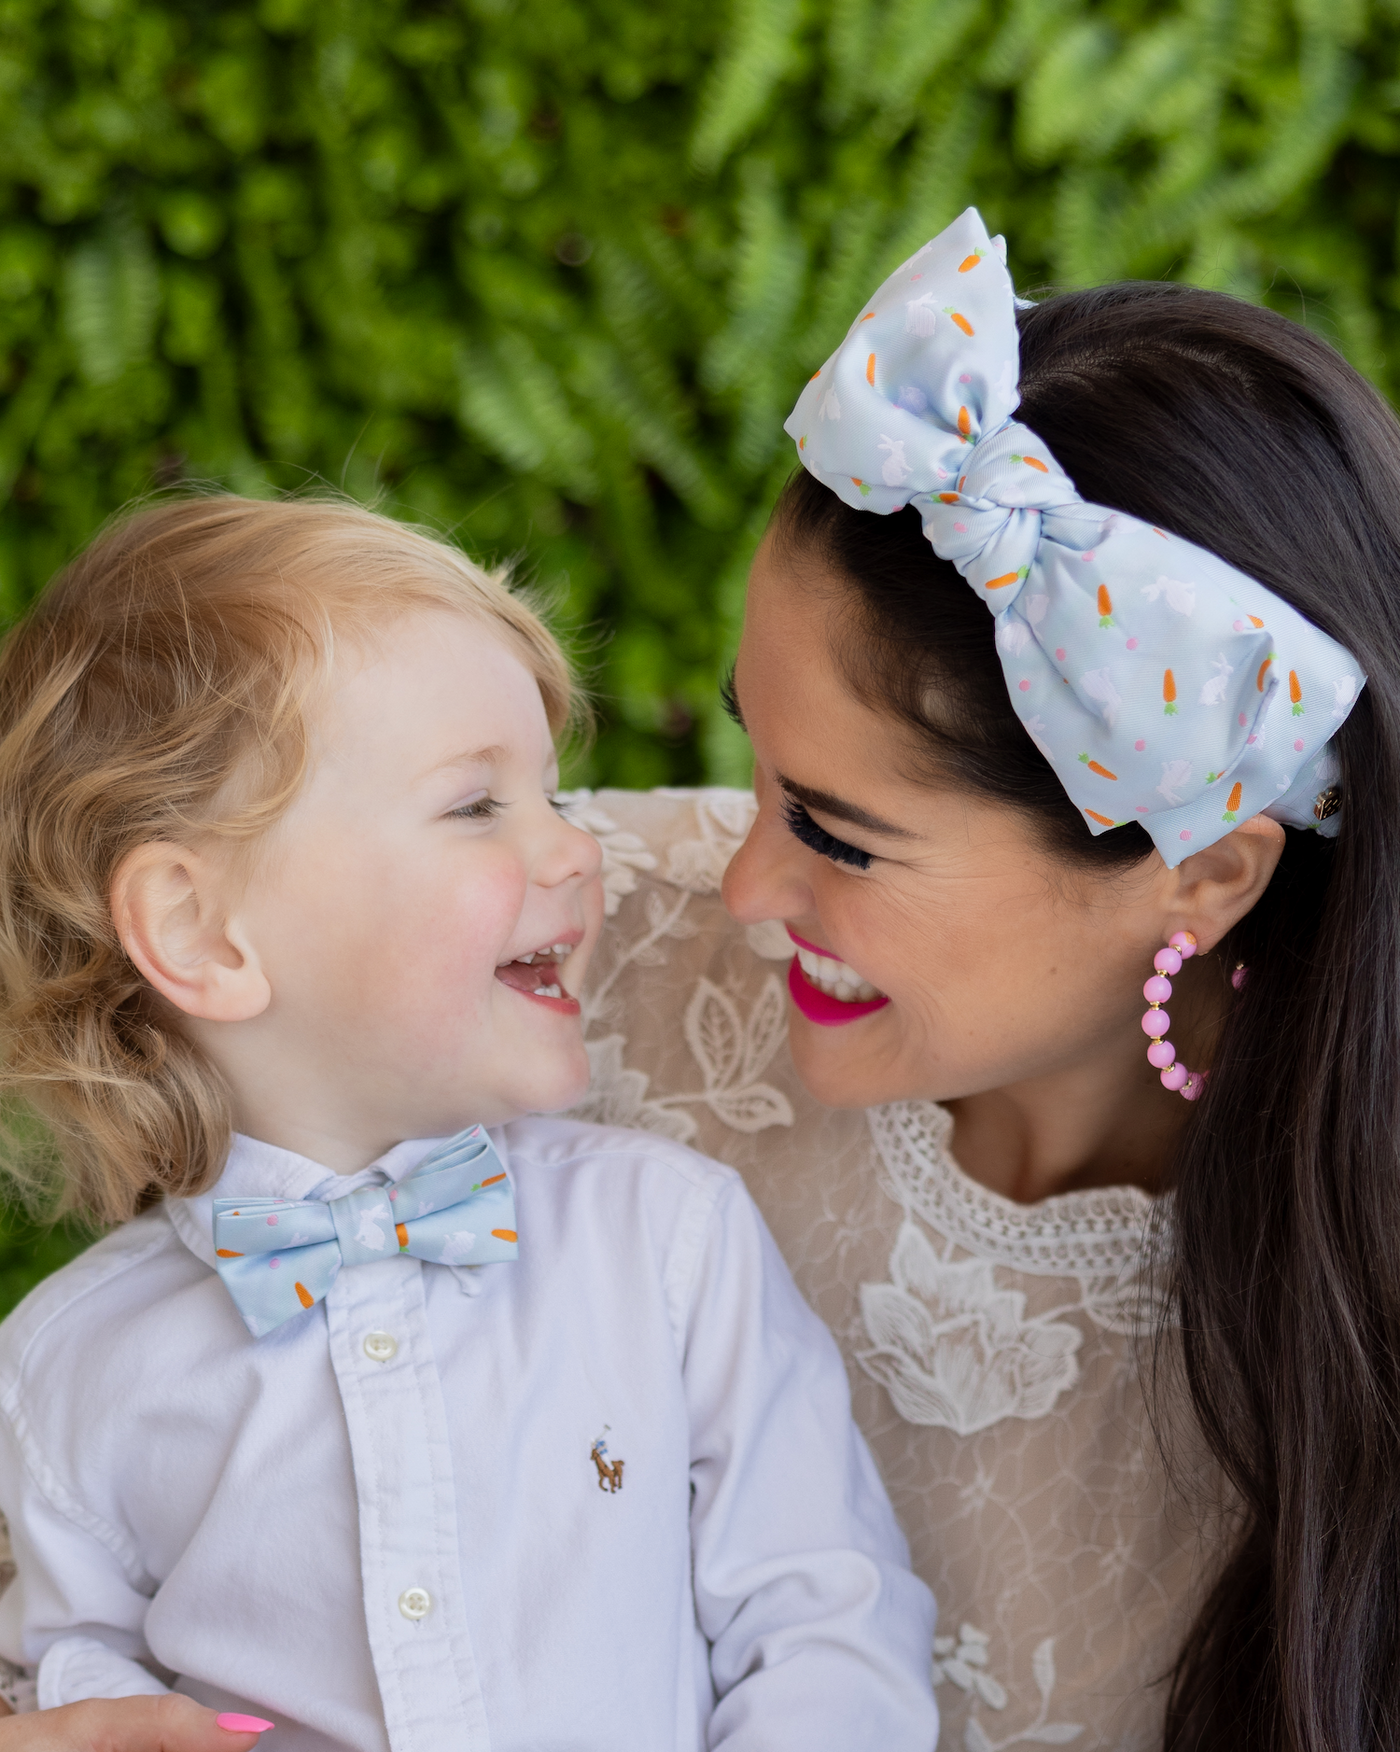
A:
[(1249, 435)]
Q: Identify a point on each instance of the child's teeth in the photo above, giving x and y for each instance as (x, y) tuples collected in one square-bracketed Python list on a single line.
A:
[(836, 978), (549, 991), (560, 949), (529, 960)]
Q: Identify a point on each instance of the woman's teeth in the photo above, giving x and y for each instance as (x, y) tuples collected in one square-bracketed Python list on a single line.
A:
[(835, 978)]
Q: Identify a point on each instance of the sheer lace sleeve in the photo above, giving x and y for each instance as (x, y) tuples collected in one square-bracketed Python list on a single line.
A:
[(18, 1688), (991, 1347)]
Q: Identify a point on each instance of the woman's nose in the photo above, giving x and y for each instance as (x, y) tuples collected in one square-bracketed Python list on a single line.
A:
[(764, 879)]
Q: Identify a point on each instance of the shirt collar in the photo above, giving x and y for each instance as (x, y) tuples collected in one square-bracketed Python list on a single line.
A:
[(254, 1169)]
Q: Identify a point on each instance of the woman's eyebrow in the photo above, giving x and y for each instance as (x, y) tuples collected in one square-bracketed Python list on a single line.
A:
[(840, 810)]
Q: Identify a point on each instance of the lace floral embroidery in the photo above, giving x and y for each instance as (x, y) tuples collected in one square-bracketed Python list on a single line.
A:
[(963, 1661), (1098, 1238), (951, 1345), (953, 1349), (732, 1044)]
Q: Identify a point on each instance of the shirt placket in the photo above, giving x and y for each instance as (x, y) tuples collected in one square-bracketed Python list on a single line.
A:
[(396, 1414)]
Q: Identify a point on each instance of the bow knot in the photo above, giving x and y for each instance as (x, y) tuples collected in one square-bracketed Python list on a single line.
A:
[(279, 1256), (1160, 684)]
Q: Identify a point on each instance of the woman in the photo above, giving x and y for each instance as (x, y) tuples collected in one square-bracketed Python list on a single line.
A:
[(911, 826), (975, 926)]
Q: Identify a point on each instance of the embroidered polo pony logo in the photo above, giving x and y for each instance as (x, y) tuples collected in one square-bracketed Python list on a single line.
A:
[(609, 1471)]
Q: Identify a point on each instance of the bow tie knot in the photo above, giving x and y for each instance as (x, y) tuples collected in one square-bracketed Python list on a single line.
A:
[(279, 1256)]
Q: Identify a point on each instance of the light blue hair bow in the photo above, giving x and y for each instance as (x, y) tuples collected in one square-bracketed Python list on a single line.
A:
[(1162, 685), (278, 1256)]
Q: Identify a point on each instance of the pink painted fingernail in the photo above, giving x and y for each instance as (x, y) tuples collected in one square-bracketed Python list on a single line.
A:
[(241, 1724)]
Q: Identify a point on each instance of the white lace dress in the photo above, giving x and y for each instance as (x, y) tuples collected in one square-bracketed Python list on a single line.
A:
[(991, 1346)]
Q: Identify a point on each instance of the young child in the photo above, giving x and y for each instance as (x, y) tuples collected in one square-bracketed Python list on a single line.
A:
[(401, 1432)]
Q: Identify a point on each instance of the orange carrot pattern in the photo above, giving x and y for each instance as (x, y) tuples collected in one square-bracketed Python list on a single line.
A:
[(1094, 767), (1232, 803), (1263, 671), (1032, 462), (402, 1234), (1295, 693), (964, 423), (947, 498), (304, 1295), (227, 1252), (968, 263), (1103, 820), (870, 370), (1001, 583), (505, 1234), (1168, 694), (959, 319), (869, 316), (1105, 607), (494, 1180)]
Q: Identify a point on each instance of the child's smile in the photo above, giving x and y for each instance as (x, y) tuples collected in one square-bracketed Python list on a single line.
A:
[(537, 975)]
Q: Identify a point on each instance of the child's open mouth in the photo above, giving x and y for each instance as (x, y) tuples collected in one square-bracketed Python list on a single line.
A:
[(536, 976)]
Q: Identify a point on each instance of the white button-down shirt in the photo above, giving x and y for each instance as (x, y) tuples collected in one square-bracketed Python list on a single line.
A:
[(382, 1524)]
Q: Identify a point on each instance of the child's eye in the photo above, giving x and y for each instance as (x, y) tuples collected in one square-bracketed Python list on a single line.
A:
[(800, 823), (478, 809)]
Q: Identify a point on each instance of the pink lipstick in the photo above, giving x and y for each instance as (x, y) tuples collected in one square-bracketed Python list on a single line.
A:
[(819, 1006)]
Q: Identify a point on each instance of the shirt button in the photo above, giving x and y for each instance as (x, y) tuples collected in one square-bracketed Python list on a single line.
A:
[(379, 1347), (415, 1602)]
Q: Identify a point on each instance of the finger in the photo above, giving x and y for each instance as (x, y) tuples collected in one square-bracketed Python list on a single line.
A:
[(169, 1723)]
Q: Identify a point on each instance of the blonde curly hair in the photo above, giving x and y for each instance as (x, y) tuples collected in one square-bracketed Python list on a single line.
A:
[(183, 650)]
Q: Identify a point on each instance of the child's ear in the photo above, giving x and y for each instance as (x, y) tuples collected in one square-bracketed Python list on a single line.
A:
[(1218, 886), (170, 908)]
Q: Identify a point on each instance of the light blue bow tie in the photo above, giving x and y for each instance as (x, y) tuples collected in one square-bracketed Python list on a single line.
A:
[(278, 1256)]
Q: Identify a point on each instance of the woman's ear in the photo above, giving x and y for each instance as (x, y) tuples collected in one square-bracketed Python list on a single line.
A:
[(1218, 886), (171, 909)]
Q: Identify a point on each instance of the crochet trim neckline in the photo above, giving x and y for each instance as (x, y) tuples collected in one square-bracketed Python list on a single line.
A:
[(1097, 1233)]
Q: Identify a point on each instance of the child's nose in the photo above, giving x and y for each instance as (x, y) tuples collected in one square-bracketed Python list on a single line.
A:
[(571, 854)]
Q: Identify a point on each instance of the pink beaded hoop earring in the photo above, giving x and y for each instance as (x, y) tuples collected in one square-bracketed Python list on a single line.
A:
[(1180, 946)]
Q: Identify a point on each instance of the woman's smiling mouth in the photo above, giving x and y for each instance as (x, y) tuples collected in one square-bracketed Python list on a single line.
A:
[(826, 990)]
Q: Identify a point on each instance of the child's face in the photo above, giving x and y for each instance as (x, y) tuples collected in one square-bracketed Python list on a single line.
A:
[(394, 899)]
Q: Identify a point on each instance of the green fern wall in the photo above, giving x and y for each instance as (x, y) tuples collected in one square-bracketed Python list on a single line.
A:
[(549, 273)]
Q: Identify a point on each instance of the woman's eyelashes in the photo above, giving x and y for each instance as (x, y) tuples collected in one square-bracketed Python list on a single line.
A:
[(730, 700), (800, 823)]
